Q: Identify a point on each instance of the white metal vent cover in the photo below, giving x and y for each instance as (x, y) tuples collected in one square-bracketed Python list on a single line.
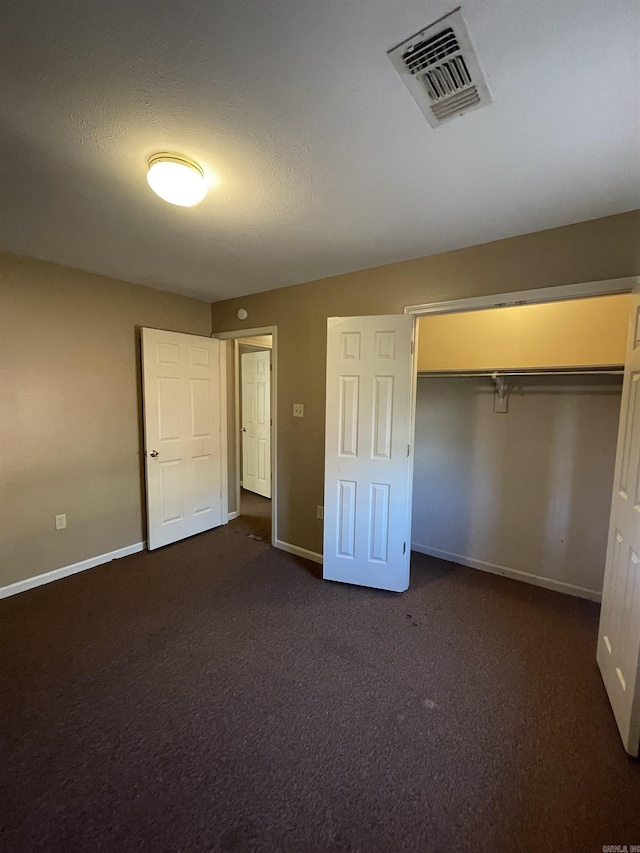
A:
[(440, 69)]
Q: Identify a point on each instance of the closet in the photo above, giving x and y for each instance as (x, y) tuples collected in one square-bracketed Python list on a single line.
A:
[(516, 426)]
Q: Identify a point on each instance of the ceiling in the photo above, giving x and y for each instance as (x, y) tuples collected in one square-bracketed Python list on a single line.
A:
[(326, 163)]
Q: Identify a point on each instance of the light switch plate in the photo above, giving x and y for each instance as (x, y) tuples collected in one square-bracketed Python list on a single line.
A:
[(298, 410)]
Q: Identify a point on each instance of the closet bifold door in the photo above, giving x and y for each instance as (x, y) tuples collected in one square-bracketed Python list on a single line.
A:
[(619, 633)]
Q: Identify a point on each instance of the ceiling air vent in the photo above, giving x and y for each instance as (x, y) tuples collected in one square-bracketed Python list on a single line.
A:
[(440, 69)]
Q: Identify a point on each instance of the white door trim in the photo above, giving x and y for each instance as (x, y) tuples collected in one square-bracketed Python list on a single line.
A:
[(235, 336), (606, 287), (254, 342), (236, 421)]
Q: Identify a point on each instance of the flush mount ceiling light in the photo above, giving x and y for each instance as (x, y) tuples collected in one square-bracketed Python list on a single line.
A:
[(177, 179)]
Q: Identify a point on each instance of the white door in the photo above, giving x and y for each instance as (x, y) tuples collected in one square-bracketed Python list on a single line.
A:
[(619, 634), (183, 435), (256, 422), (368, 463)]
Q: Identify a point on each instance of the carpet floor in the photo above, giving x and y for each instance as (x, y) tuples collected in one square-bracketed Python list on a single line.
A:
[(216, 695), (256, 514)]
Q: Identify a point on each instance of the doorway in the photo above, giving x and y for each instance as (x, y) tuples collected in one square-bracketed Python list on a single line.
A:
[(251, 420), (574, 469), (254, 379), (516, 430)]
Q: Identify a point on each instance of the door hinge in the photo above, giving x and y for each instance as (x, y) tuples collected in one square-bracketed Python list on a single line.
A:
[(408, 450), (404, 548), (411, 347)]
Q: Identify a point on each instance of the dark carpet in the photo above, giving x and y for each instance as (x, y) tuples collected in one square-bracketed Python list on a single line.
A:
[(256, 514), (217, 696)]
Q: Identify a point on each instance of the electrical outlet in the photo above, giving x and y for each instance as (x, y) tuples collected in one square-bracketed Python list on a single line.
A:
[(320, 512), (298, 410), (61, 521)]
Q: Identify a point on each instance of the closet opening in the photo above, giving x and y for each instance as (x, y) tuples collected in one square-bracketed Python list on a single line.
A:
[(516, 426)]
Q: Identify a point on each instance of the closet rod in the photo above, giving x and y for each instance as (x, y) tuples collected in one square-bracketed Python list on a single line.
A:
[(492, 374)]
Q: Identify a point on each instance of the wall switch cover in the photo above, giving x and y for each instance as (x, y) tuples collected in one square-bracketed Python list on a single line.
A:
[(298, 410)]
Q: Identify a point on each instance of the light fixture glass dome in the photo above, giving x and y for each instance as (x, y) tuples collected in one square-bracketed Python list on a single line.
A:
[(177, 179)]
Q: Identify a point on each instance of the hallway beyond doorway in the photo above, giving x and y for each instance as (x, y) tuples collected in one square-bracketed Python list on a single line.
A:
[(256, 512)]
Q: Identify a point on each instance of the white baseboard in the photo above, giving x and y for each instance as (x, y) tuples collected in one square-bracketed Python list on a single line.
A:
[(232, 515), (505, 571), (74, 568), (299, 552)]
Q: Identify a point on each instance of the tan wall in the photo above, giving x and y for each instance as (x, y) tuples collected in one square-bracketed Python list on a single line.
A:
[(529, 490), (598, 249), (558, 334), (70, 430)]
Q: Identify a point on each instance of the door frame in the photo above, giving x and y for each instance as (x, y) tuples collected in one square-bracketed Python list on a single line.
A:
[(236, 335), (247, 344)]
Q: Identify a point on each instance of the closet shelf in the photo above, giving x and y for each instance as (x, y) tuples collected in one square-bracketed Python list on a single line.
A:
[(604, 370)]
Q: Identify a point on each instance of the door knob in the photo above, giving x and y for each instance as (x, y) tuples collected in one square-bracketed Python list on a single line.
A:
[(244, 429), (154, 453)]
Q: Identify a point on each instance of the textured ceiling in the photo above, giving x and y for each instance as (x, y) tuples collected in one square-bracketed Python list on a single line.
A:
[(326, 163)]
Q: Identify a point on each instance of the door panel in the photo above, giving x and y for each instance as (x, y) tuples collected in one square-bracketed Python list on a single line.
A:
[(200, 408), (256, 421), (379, 525), (619, 634), (369, 428), (183, 435), (172, 498), (346, 518)]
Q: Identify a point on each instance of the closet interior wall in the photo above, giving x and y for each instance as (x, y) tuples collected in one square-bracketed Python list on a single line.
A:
[(527, 492)]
